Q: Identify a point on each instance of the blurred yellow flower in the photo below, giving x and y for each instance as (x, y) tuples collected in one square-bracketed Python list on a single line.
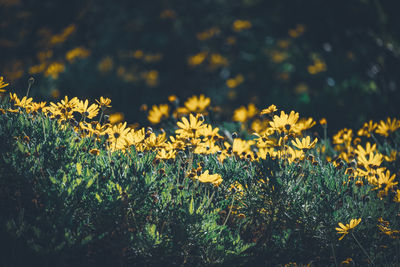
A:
[(296, 32), (234, 82), (240, 25), (168, 14), (116, 117), (388, 127), (172, 98), (197, 104), (270, 110), (243, 114), (78, 52), (207, 34), (106, 64), (157, 113), (54, 69), (197, 59), (62, 37)]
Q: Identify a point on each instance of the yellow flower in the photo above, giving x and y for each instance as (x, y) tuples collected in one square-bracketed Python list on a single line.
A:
[(209, 132), (54, 69), (299, 30), (104, 103), (271, 109), (154, 141), (78, 52), (243, 114), (397, 196), (367, 129), (384, 227), (234, 82), (117, 136), (240, 147), (323, 122), (370, 160), (384, 180), (36, 107), (388, 127), (277, 56), (63, 36), (106, 64), (172, 98), (291, 155), (136, 138), (87, 111), (284, 122), (187, 127), (23, 103), (157, 113), (214, 179), (207, 147), (346, 262), (303, 125), (392, 157), (2, 85), (116, 117), (197, 59), (305, 143), (239, 25), (163, 154), (64, 109), (217, 60), (197, 104), (368, 149), (344, 229)]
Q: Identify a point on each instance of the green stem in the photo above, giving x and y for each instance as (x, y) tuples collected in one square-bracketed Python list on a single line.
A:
[(334, 256), (362, 248)]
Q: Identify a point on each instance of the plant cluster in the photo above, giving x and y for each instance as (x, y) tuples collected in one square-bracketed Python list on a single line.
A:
[(78, 189)]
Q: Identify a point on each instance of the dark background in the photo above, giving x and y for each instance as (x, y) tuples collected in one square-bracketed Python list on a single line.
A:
[(358, 41)]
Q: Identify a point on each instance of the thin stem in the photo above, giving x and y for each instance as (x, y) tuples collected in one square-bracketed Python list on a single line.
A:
[(334, 256), (362, 248), (30, 82), (230, 210), (101, 116)]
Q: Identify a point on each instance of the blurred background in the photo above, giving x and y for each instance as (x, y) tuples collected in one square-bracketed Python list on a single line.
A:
[(335, 59)]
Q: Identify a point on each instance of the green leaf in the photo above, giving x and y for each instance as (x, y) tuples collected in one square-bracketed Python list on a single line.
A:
[(64, 179), (98, 198), (191, 207), (79, 168), (21, 147), (52, 179), (87, 239), (90, 182), (151, 230)]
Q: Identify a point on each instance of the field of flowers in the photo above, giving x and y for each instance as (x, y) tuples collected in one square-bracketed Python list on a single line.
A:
[(81, 187)]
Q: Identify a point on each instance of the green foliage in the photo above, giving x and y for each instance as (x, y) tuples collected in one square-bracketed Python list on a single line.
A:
[(62, 205)]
